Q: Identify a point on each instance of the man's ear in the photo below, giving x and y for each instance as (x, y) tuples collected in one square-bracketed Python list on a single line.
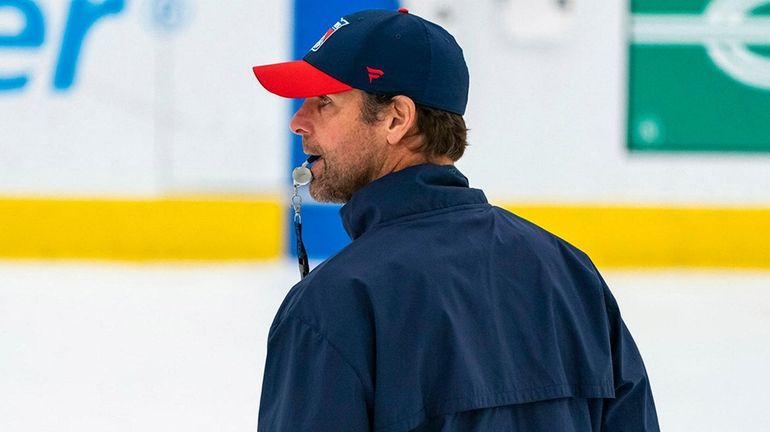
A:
[(402, 119)]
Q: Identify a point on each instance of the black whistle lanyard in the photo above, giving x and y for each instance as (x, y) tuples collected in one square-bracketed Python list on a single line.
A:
[(296, 202), (301, 177)]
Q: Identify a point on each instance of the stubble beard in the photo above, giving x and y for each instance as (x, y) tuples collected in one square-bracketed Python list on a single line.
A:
[(340, 179)]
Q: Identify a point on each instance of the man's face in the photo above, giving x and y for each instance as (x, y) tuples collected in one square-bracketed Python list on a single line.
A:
[(351, 150)]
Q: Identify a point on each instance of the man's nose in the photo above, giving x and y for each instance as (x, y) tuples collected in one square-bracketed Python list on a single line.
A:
[(300, 123)]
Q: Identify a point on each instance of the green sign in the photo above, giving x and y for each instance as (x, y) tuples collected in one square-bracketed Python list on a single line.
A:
[(699, 75)]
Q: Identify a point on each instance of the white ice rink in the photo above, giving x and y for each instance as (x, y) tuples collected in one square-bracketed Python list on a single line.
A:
[(171, 347)]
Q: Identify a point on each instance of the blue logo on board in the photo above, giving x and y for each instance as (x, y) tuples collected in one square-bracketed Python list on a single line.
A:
[(169, 15)]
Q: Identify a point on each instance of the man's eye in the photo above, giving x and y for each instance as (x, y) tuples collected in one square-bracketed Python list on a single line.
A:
[(324, 100)]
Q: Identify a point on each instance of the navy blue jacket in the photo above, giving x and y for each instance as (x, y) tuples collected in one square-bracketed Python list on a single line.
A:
[(448, 314)]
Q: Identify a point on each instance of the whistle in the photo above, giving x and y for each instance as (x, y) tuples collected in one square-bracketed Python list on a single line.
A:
[(302, 174)]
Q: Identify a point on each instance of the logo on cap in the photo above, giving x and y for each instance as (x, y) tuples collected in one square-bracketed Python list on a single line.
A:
[(338, 25), (374, 73)]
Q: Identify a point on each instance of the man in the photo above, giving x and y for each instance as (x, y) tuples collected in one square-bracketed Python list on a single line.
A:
[(444, 313)]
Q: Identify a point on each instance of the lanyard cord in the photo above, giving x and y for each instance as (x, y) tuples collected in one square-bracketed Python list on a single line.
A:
[(301, 176), (296, 202)]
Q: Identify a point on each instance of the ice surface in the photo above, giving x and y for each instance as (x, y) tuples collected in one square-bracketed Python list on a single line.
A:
[(180, 347)]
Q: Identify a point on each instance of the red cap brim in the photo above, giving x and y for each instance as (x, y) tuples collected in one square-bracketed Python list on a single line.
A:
[(297, 79)]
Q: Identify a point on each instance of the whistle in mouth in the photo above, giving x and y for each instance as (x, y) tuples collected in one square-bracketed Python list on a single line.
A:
[(302, 175)]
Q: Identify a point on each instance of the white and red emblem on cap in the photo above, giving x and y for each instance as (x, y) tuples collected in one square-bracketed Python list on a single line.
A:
[(300, 79), (338, 25)]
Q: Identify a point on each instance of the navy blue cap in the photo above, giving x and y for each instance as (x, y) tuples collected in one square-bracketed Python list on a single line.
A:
[(378, 51)]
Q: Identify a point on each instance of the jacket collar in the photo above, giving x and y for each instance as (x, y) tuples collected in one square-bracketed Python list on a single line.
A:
[(416, 189)]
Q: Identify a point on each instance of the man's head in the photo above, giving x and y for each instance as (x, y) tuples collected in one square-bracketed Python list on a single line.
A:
[(361, 137), (383, 90)]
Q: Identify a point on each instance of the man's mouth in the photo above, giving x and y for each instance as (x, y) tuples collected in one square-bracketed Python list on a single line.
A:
[(317, 160), (312, 161)]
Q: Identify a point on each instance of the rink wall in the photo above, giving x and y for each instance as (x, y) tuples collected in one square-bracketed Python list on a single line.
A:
[(135, 130), (250, 228), (196, 228)]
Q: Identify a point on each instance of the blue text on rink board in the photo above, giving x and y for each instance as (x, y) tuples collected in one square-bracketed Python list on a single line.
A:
[(34, 32)]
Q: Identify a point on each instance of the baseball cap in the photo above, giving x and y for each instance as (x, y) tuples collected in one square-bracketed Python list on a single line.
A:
[(378, 51)]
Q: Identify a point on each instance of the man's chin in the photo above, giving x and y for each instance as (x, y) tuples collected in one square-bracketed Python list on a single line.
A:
[(324, 195)]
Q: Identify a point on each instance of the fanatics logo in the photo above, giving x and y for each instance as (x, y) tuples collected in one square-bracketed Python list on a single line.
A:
[(374, 73), (338, 25)]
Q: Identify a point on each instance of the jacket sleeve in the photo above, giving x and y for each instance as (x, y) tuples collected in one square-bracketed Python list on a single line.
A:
[(307, 385), (633, 408)]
